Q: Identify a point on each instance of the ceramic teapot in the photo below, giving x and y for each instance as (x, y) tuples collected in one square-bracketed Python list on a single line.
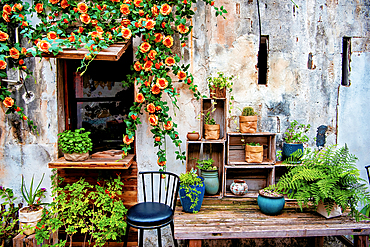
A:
[(239, 187)]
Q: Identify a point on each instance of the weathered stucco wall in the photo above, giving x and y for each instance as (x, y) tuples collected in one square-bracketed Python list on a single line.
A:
[(295, 90)]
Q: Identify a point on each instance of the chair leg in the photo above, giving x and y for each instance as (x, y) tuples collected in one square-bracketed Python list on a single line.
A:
[(159, 237), (126, 235), (141, 238), (173, 234)]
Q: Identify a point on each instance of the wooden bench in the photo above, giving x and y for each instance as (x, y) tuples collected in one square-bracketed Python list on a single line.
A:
[(241, 218)]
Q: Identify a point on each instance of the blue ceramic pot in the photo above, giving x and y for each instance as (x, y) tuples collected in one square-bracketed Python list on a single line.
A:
[(186, 203), (270, 205), (211, 182), (290, 148)]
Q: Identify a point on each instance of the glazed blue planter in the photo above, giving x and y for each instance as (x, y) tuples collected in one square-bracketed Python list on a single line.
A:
[(270, 205), (211, 182), (186, 202), (290, 148)]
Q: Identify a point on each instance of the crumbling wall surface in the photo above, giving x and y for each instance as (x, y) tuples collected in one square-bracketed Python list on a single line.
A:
[(23, 152)]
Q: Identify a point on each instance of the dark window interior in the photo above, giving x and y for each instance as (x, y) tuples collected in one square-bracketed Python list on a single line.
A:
[(346, 59), (98, 102), (262, 60)]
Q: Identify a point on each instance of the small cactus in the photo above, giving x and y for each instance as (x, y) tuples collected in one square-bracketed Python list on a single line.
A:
[(248, 111)]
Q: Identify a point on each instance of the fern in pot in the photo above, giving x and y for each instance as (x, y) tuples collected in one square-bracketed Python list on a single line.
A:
[(328, 179), (75, 144)]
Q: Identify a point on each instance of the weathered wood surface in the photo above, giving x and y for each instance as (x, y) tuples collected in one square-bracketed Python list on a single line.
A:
[(96, 161), (227, 219), (26, 241)]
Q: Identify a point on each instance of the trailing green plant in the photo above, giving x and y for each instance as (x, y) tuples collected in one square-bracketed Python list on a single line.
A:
[(248, 111), (8, 215), (206, 164), (329, 175), (221, 81), (188, 182), (33, 196), (208, 119), (254, 144), (76, 141), (296, 133)]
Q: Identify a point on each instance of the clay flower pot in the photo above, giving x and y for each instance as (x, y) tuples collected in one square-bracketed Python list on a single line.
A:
[(193, 136), (248, 124), (253, 154), (211, 132)]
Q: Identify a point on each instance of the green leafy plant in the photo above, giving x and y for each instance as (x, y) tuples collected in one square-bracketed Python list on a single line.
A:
[(248, 111), (221, 81), (206, 164), (33, 196), (208, 119), (76, 141), (254, 144), (329, 175), (188, 182), (296, 133), (8, 215)]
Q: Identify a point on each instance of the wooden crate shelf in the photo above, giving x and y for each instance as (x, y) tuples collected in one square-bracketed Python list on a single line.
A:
[(219, 114)]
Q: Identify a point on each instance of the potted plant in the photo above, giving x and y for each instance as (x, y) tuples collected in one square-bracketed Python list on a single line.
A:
[(295, 137), (211, 129), (248, 120), (191, 191), (31, 214), (327, 176), (210, 174), (8, 217), (270, 201), (193, 136), (218, 85), (253, 152), (75, 144)]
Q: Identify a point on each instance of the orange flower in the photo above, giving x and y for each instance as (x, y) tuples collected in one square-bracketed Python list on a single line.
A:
[(126, 1), (17, 7), (163, 25), (185, 2), (82, 8), (99, 29), (212, 3), (24, 50), (3, 36), (158, 37), (150, 108), (145, 47), (125, 22), (6, 17), (140, 98), (115, 1), (7, 9), (158, 108), (157, 139), (169, 61), (8, 102), (157, 65), (126, 33), (166, 9), (125, 10), (161, 163), (54, 1), (137, 66), (39, 7), (24, 24), (141, 12), (94, 23), (155, 89), (162, 83), (72, 38), (152, 54), (150, 24), (148, 66), (2, 64), (189, 81), (153, 120), (52, 35), (182, 28), (14, 53), (155, 10), (127, 140), (168, 125), (85, 18), (181, 75), (183, 44), (18, 109), (21, 62), (147, 83), (24, 118), (134, 117), (80, 29), (138, 3), (64, 4), (168, 41), (43, 45)]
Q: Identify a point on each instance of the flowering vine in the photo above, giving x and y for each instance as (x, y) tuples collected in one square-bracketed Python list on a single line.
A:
[(97, 24)]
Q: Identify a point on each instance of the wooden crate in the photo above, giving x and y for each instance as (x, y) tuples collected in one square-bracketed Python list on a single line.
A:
[(219, 114), (203, 150), (256, 177), (236, 147)]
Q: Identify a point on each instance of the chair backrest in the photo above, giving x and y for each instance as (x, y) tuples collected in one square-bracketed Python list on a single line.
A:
[(160, 187)]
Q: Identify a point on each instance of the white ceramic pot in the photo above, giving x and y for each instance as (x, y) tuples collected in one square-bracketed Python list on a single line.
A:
[(29, 219), (335, 212)]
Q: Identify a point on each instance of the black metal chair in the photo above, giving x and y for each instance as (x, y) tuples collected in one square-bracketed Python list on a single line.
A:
[(158, 207)]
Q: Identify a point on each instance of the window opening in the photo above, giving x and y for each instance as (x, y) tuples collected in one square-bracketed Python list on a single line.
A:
[(346, 59), (262, 60), (98, 102)]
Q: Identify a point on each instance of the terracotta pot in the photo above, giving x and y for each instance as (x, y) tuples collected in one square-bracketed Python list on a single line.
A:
[(253, 154), (217, 92), (29, 219), (76, 156), (248, 124), (211, 132), (193, 136)]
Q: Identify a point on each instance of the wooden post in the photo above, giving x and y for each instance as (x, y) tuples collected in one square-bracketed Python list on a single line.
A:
[(319, 241), (361, 240), (195, 243)]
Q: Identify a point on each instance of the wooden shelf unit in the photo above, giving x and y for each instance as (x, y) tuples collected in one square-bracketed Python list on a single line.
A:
[(219, 114)]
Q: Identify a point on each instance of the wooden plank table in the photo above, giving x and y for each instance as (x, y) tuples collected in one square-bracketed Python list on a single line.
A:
[(241, 218)]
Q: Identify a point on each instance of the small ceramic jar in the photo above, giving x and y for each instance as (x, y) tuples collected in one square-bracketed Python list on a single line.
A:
[(239, 187), (193, 136)]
